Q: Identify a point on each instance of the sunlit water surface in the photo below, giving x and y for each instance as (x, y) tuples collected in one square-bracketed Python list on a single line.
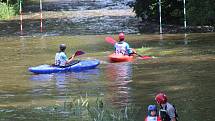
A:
[(183, 68)]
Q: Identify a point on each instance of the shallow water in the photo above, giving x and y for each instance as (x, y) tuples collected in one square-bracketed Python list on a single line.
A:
[(183, 68)]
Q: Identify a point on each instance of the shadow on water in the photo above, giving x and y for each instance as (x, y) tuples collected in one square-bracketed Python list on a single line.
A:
[(185, 81)]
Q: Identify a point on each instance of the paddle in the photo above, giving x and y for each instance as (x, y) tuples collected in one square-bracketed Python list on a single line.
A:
[(112, 41), (143, 57), (77, 53), (73, 62)]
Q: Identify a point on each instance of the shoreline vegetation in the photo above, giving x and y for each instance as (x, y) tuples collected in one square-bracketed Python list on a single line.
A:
[(7, 11), (10, 8), (78, 108)]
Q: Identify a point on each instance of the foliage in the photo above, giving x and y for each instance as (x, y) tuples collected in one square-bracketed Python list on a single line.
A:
[(9, 1), (72, 109), (149, 10), (8, 8), (199, 12), (98, 110), (102, 112), (6, 11)]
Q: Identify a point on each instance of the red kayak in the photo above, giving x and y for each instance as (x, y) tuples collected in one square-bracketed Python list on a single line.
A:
[(120, 58)]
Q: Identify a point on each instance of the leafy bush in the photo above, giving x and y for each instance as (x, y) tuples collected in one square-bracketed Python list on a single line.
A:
[(172, 10), (199, 12), (6, 11)]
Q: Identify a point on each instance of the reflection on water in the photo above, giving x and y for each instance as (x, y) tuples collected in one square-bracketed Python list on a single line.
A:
[(88, 75), (64, 81), (119, 76)]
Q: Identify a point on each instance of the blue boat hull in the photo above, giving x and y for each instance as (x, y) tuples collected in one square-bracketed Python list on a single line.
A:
[(82, 65)]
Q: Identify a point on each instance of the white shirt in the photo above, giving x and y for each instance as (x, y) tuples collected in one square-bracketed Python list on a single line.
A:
[(60, 59), (122, 48)]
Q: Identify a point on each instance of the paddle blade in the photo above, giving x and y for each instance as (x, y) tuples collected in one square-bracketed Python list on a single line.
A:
[(145, 57), (79, 52), (110, 40)]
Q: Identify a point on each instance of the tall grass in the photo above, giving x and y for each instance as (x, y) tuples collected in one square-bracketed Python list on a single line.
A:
[(99, 111), (72, 109)]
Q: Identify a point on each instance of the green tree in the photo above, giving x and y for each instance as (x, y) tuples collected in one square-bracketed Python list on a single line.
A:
[(201, 12), (172, 10), (8, 8), (10, 1)]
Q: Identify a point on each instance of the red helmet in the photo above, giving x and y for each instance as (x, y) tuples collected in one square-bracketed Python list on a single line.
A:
[(161, 98), (121, 36)]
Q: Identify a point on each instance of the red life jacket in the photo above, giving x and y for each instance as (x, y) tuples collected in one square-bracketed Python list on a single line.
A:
[(153, 118)]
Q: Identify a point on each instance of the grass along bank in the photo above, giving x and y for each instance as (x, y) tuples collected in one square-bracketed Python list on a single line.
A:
[(73, 109)]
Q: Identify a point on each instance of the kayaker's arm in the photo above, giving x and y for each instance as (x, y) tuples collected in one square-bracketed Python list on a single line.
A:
[(70, 59), (130, 50)]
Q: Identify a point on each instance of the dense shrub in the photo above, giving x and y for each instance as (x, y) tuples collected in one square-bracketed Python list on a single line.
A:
[(8, 9), (201, 12)]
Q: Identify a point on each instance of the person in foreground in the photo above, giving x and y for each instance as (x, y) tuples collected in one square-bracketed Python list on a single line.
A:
[(122, 47), (61, 58), (167, 111), (152, 114)]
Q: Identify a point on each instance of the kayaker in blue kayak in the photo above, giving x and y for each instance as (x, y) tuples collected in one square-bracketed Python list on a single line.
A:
[(61, 58), (122, 47), (167, 111)]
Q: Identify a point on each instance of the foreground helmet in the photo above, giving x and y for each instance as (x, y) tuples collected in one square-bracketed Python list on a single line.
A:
[(152, 108), (161, 98), (121, 36), (62, 47)]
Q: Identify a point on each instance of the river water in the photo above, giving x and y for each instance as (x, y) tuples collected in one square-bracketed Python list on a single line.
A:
[(80, 17), (183, 69)]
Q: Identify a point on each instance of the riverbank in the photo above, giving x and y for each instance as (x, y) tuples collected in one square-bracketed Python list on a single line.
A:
[(86, 18), (150, 27)]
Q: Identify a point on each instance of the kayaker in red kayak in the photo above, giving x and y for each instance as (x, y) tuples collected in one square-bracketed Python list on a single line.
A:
[(167, 111), (122, 47), (152, 114), (61, 58)]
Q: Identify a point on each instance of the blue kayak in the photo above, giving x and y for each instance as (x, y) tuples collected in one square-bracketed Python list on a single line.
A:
[(78, 66)]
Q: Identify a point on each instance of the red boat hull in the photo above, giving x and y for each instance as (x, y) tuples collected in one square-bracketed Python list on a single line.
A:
[(120, 58)]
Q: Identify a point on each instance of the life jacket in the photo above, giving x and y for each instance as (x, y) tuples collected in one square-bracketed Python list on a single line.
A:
[(152, 118), (60, 59), (57, 59), (121, 48), (165, 116)]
